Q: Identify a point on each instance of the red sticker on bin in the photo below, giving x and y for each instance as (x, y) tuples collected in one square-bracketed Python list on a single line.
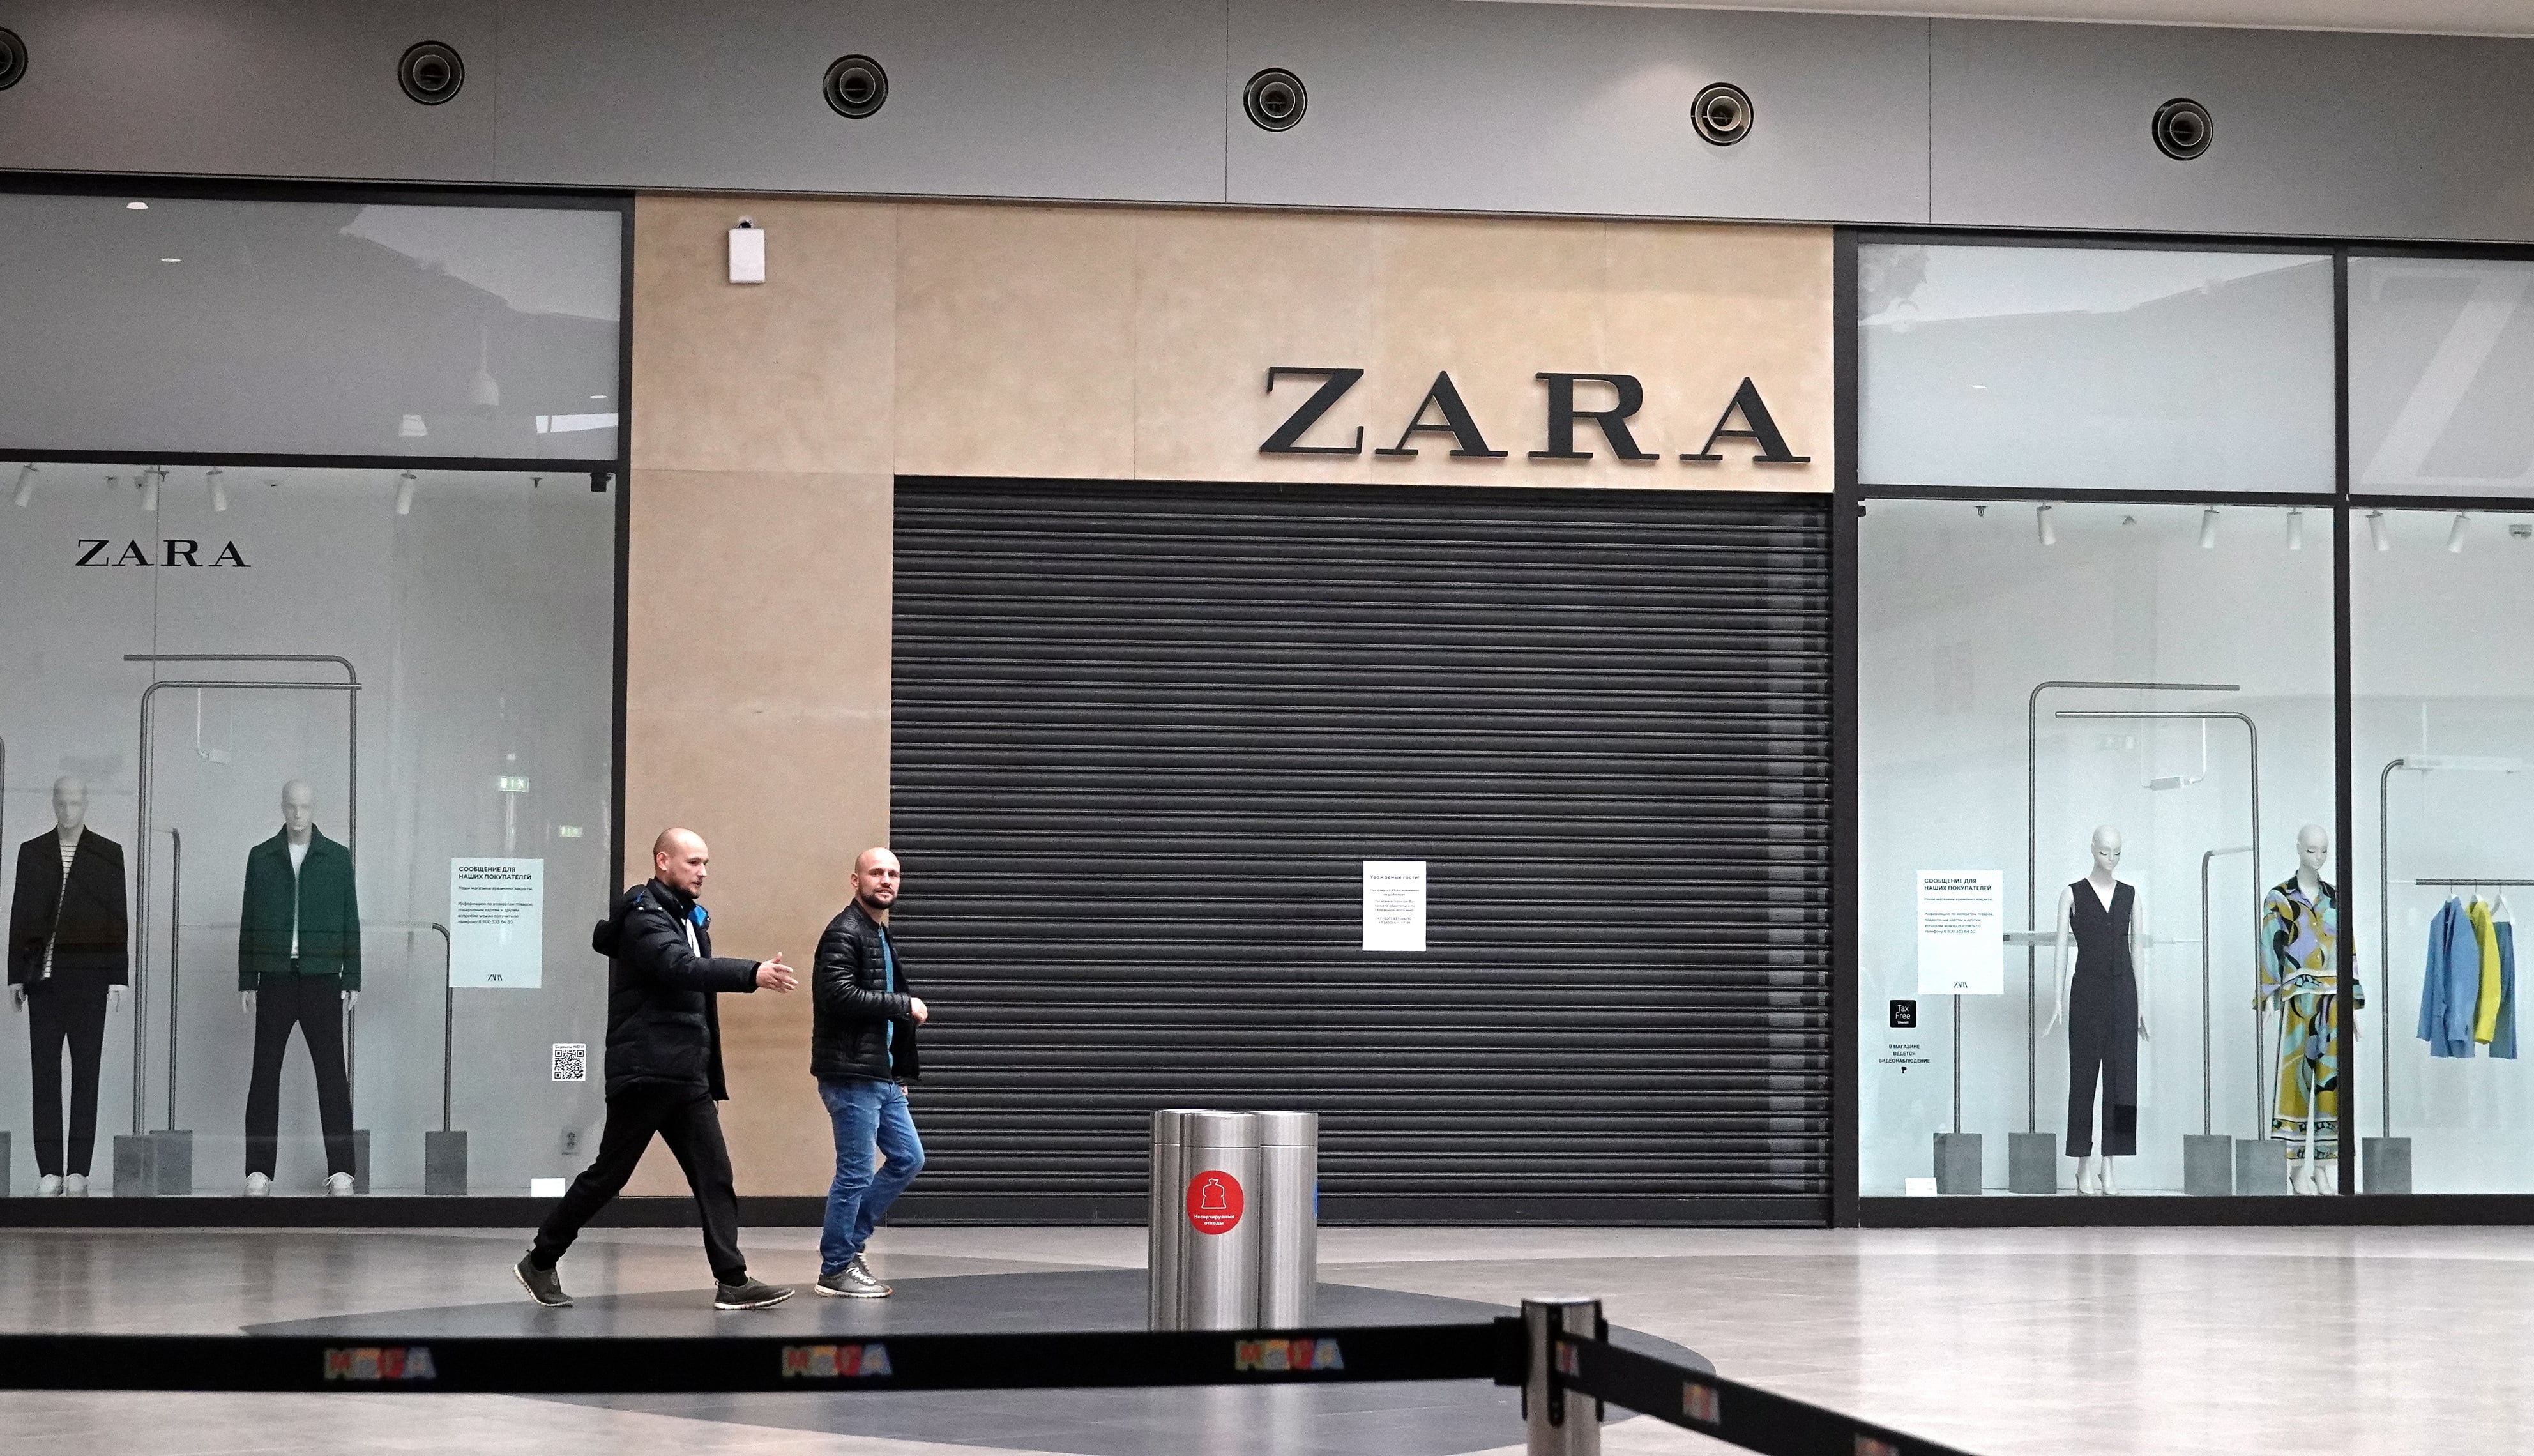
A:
[(1214, 1202)]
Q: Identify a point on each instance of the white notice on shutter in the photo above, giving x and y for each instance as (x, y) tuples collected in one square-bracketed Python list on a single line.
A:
[(496, 924), (1961, 933), (1394, 904)]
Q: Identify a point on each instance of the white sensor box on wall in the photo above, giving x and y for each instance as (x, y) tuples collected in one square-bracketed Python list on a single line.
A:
[(746, 253)]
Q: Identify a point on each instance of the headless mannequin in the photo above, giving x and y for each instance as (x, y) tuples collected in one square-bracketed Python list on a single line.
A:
[(2095, 1173), (70, 817), (298, 818), (2314, 851)]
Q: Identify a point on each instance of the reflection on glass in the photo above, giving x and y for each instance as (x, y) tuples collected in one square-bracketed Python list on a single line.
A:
[(2046, 703), (2442, 745), (310, 328), (2441, 367), (2094, 368)]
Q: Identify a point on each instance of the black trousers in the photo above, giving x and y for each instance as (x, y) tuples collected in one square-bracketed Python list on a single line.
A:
[(2102, 1039), (686, 1120), (314, 1005), (59, 1015)]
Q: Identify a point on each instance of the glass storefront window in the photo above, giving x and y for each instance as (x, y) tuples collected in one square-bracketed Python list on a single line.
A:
[(2440, 363), (2005, 719), (476, 612), (2443, 749), (2094, 368)]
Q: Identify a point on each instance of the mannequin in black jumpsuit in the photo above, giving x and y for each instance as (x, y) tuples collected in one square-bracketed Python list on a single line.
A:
[(2100, 1003)]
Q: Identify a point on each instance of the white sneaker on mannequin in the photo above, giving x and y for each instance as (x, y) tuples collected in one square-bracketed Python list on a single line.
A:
[(339, 1186), (75, 1185), (48, 1186), (257, 1186)]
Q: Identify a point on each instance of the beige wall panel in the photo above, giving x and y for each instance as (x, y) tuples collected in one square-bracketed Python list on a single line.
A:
[(1016, 341), (757, 715), (792, 374), (1089, 343), (1716, 305), (1494, 302)]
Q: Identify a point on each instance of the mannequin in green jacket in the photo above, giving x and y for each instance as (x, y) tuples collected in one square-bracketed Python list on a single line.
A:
[(299, 966)]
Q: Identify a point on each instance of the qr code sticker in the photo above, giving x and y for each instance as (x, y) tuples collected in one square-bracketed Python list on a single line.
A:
[(571, 1062)]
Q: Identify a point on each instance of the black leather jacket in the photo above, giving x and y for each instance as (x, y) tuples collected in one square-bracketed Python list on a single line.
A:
[(662, 1025), (852, 1005)]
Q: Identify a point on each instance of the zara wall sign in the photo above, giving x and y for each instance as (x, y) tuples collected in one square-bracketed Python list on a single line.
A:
[(1442, 411)]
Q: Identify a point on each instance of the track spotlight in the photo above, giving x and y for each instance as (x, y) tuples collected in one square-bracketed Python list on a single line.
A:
[(2375, 530), (2049, 535), (149, 490), (2296, 529), (220, 492), (404, 494), (2454, 536), (26, 485), (2208, 529)]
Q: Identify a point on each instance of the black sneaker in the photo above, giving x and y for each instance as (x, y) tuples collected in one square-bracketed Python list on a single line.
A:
[(855, 1281), (749, 1294), (544, 1286)]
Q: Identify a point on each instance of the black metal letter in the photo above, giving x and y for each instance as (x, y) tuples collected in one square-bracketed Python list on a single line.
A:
[(1562, 416), (179, 547), (87, 557), (1467, 442), (229, 557), (1334, 383), (133, 556), (1760, 430)]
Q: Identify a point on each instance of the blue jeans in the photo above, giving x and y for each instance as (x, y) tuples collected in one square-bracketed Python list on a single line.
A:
[(868, 1116)]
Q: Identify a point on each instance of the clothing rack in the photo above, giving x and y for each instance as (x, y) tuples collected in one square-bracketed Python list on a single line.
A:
[(2417, 764)]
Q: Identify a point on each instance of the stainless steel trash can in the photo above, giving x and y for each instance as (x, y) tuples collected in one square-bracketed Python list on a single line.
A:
[(1217, 1221), (1288, 1237), (1163, 1219)]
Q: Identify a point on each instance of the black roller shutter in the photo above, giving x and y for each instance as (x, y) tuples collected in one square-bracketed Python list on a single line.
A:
[(1146, 735)]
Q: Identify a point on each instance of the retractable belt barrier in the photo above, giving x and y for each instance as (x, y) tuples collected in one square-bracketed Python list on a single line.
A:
[(1557, 1351), (529, 1364)]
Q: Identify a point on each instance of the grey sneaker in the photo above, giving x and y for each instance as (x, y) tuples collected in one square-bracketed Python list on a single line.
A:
[(855, 1281), (749, 1294), (544, 1286)]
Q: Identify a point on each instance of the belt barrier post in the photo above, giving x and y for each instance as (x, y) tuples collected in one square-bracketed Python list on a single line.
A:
[(1289, 1208), (1554, 1423), (1162, 1220), (1217, 1223)]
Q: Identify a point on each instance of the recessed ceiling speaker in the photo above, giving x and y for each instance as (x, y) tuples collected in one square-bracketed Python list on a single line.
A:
[(856, 87), (1275, 99), (1721, 113), (13, 59), (2183, 129), (431, 73)]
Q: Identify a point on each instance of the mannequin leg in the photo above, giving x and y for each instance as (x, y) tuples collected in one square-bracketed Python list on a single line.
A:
[(2111, 1182), (275, 1004), (321, 1021), (46, 1030), (87, 1045)]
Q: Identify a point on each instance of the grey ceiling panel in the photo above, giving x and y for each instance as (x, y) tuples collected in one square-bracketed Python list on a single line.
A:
[(305, 88), (1110, 100), (1561, 108), (2366, 136)]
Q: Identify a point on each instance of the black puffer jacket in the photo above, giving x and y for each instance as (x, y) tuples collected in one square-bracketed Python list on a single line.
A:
[(661, 1021), (852, 1005)]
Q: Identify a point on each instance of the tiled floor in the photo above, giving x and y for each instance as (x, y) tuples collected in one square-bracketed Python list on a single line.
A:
[(2168, 1341)]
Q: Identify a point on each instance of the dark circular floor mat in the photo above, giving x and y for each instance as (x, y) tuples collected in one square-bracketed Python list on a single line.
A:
[(1422, 1419)]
